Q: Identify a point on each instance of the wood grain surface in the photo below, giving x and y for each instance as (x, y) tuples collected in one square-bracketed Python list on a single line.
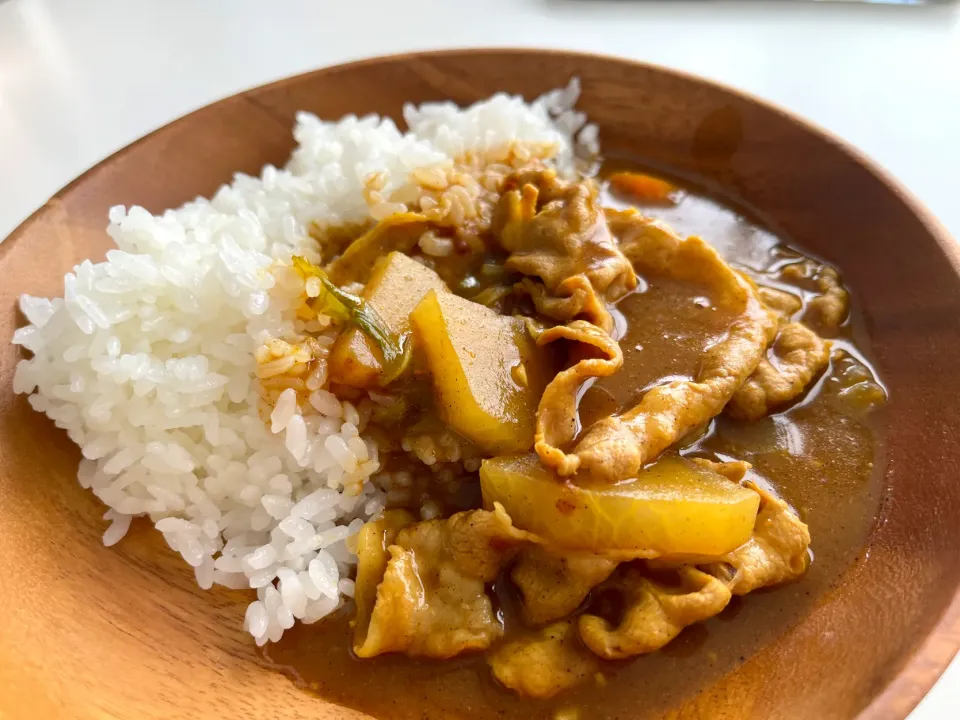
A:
[(92, 632)]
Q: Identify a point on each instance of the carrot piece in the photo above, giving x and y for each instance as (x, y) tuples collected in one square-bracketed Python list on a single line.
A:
[(645, 188)]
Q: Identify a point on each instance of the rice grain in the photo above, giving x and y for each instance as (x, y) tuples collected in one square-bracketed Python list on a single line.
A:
[(164, 362)]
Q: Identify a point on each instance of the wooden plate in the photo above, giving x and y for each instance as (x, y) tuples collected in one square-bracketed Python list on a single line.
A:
[(92, 632)]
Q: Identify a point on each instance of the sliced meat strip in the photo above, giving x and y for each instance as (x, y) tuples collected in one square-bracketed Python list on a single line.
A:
[(829, 310), (556, 235), (655, 612), (557, 412), (776, 553), (575, 300), (617, 447), (799, 356), (732, 470), (373, 544), (554, 584), (431, 601), (543, 663), (783, 303)]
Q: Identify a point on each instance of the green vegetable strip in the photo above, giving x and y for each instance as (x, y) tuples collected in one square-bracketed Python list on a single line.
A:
[(345, 307)]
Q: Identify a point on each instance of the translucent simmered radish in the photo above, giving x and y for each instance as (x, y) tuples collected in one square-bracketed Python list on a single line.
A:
[(395, 287), (674, 507), (488, 372)]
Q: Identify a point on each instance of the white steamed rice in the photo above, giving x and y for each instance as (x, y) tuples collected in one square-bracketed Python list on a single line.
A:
[(147, 359)]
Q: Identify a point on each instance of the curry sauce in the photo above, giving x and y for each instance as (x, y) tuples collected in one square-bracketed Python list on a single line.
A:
[(822, 454)]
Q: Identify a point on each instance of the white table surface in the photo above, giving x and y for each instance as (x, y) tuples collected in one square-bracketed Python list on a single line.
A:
[(81, 79)]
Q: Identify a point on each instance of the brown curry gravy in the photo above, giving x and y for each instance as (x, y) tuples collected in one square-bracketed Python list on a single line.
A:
[(821, 455)]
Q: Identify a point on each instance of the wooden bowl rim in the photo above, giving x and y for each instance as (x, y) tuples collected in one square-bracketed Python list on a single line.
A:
[(925, 665)]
